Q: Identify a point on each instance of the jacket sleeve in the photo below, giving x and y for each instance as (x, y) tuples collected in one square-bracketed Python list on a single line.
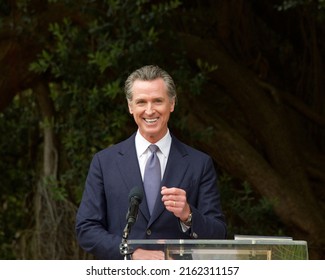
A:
[(208, 221), (91, 219)]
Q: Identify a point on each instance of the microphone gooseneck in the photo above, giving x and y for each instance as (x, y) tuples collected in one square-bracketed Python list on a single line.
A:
[(135, 198)]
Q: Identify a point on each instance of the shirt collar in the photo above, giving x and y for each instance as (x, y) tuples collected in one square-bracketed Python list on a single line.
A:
[(142, 144)]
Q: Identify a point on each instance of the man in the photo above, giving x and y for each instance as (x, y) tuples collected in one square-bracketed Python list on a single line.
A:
[(187, 204)]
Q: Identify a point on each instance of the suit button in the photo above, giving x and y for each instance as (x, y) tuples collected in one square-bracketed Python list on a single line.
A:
[(194, 235), (148, 232)]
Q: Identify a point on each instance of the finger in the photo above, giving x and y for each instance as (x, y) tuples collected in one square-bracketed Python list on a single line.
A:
[(165, 190), (169, 197)]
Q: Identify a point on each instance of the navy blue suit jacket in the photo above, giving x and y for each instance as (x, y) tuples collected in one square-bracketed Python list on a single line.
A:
[(113, 172)]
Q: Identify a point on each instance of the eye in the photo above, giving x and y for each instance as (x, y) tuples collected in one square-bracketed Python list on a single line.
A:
[(159, 101), (140, 102)]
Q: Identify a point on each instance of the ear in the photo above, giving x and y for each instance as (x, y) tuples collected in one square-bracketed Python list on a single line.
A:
[(172, 105), (130, 108)]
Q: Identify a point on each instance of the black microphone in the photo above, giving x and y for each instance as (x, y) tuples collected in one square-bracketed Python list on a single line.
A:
[(135, 198)]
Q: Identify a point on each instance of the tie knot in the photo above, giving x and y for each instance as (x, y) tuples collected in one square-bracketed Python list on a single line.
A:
[(153, 148)]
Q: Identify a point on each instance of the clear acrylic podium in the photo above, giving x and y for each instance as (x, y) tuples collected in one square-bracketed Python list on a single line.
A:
[(246, 249)]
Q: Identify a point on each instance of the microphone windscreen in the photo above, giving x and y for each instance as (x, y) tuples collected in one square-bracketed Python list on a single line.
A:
[(136, 193)]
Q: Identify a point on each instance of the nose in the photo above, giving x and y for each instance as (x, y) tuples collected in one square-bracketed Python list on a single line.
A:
[(150, 108)]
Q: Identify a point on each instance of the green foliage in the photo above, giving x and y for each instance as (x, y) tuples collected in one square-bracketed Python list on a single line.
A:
[(89, 65), (317, 7), (86, 54), (246, 212), (18, 162), (291, 4), (201, 77), (85, 66)]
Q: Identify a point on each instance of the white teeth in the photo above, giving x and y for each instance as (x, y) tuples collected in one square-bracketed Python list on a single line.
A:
[(151, 120)]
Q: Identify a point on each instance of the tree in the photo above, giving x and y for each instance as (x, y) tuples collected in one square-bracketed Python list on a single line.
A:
[(244, 98), (266, 146)]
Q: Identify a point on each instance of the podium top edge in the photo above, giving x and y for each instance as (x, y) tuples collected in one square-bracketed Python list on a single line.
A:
[(267, 241)]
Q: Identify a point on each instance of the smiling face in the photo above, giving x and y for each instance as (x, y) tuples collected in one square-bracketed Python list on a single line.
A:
[(151, 108)]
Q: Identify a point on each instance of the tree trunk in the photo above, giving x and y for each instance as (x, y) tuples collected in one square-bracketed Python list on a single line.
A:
[(52, 236), (276, 172)]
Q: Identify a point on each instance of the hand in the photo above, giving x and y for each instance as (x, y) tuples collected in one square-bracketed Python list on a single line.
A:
[(175, 201), (141, 254)]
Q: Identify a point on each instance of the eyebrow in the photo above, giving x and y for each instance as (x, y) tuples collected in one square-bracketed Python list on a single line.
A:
[(144, 99)]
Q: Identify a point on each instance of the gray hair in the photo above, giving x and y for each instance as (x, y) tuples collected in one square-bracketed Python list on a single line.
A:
[(150, 73)]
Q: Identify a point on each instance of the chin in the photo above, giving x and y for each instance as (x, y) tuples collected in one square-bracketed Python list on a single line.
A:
[(152, 135)]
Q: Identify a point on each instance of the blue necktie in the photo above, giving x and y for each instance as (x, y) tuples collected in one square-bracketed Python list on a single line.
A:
[(152, 177)]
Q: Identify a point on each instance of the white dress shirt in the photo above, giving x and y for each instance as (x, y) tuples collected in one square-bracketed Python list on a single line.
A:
[(143, 152)]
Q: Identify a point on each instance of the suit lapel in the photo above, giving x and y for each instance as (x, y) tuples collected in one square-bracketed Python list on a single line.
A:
[(128, 166)]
